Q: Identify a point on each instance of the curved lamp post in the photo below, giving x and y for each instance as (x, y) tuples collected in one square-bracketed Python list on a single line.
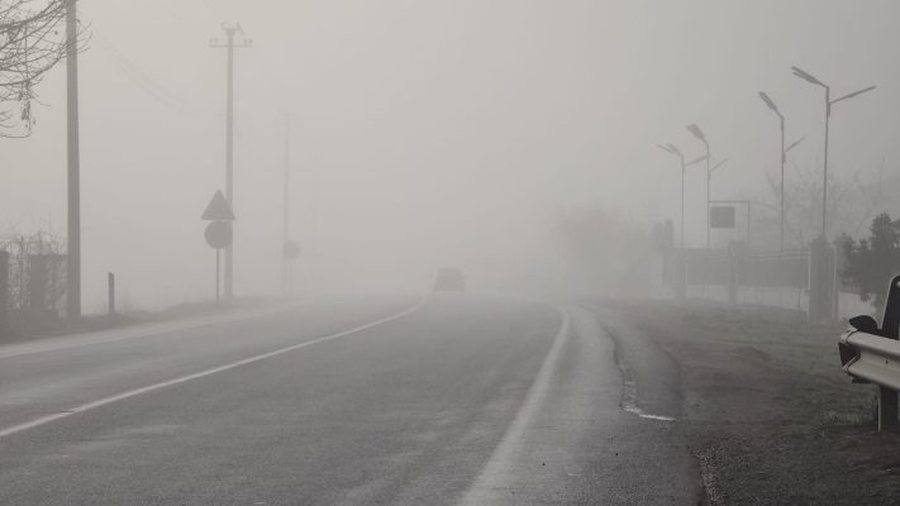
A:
[(673, 150), (806, 76), (783, 158)]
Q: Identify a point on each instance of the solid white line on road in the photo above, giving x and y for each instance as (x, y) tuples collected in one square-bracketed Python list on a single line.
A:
[(495, 473), (15, 429)]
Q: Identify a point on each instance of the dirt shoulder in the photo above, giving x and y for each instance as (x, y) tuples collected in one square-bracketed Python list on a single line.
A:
[(24, 329), (766, 409)]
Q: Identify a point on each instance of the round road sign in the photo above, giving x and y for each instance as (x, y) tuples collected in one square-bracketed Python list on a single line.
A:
[(218, 234)]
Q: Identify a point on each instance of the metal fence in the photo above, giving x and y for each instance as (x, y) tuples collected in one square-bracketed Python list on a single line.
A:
[(806, 280)]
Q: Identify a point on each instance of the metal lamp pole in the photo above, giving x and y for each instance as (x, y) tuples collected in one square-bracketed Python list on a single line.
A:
[(696, 132), (672, 150), (771, 105), (806, 76), (784, 151)]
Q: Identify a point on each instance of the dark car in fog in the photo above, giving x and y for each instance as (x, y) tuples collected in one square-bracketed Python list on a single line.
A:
[(449, 279)]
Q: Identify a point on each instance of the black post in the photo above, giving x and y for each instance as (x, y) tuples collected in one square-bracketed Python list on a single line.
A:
[(890, 328), (111, 289), (218, 255), (887, 409)]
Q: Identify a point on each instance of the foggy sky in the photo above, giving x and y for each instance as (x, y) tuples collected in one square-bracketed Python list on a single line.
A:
[(431, 133)]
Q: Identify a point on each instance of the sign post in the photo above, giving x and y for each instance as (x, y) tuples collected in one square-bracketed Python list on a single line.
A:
[(290, 253), (218, 232)]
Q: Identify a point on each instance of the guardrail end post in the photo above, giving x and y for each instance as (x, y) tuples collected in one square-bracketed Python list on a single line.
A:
[(887, 409)]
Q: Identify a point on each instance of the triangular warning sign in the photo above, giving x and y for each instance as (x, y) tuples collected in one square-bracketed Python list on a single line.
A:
[(218, 209)]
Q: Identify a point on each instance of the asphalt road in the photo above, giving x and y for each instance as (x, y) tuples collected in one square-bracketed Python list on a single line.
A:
[(455, 400)]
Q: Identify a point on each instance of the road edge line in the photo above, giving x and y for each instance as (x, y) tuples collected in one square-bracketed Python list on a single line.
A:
[(22, 427), (494, 471), (137, 331)]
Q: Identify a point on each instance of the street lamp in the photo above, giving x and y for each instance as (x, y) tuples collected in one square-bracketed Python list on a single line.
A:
[(784, 150), (696, 132), (672, 150), (806, 76)]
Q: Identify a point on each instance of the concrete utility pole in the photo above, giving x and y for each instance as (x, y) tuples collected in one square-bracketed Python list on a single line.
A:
[(73, 257), (230, 44)]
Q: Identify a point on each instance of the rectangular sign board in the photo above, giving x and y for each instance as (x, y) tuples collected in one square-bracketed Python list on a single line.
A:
[(721, 217)]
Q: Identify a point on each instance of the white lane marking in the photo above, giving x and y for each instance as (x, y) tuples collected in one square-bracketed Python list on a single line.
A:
[(163, 384), (128, 333), (495, 473)]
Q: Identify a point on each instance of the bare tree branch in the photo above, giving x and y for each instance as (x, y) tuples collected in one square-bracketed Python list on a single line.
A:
[(32, 41)]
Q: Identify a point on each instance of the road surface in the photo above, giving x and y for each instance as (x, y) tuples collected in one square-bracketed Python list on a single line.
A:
[(451, 400)]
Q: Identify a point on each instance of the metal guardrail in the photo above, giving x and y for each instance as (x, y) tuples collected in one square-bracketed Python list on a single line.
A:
[(871, 358), (871, 354)]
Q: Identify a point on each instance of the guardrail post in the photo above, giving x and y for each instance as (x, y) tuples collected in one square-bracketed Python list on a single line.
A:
[(890, 328), (887, 409), (872, 355)]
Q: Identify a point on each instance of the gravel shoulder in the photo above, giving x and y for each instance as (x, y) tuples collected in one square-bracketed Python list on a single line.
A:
[(764, 406), (21, 328)]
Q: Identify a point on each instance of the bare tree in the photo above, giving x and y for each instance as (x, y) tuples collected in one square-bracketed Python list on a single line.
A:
[(32, 41), (854, 199)]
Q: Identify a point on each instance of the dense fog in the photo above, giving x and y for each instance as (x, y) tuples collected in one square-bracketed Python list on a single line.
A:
[(492, 136)]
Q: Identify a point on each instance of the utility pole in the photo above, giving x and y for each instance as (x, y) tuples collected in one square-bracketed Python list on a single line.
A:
[(285, 230), (73, 240), (230, 44)]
